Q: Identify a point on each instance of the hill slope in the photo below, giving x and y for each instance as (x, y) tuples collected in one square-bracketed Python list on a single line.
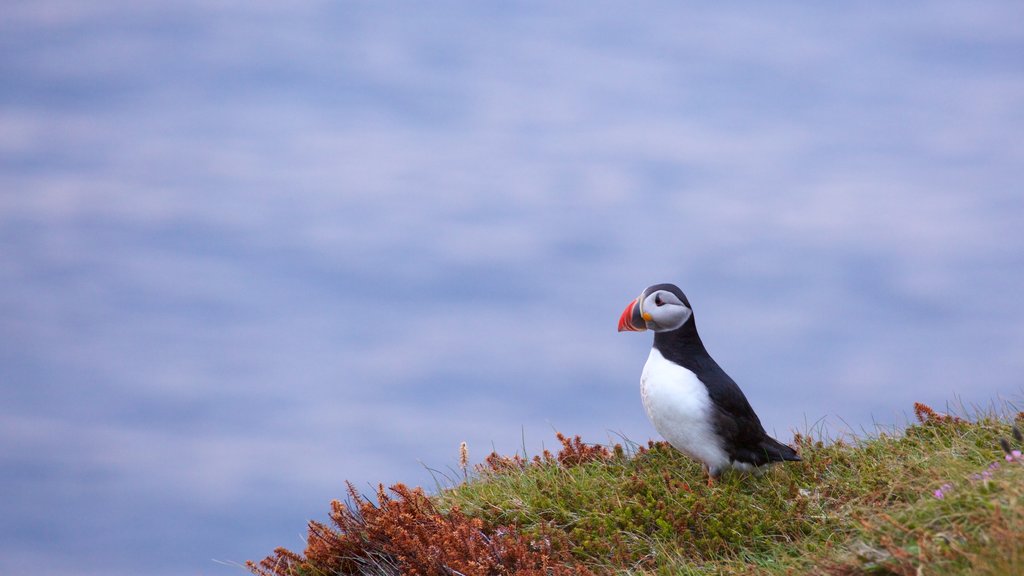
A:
[(942, 497)]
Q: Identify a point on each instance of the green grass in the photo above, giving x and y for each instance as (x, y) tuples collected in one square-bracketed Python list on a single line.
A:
[(861, 506)]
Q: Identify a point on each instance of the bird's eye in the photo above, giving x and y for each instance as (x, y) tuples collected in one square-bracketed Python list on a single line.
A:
[(658, 301)]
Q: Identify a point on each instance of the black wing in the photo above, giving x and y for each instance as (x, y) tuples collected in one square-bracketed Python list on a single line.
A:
[(735, 421)]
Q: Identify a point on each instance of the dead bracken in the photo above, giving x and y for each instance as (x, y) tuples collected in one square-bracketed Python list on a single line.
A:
[(404, 533)]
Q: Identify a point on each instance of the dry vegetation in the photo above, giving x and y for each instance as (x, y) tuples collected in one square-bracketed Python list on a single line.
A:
[(945, 496)]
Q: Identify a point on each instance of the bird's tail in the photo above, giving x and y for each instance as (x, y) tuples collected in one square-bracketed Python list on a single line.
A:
[(777, 451)]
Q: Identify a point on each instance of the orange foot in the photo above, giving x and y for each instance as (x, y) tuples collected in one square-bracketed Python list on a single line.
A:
[(711, 478)]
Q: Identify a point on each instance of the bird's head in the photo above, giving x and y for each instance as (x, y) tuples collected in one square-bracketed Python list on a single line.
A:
[(661, 308)]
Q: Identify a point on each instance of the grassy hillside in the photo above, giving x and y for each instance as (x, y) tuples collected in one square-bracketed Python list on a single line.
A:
[(944, 496)]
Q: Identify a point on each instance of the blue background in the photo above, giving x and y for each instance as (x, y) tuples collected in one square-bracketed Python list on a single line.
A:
[(250, 250)]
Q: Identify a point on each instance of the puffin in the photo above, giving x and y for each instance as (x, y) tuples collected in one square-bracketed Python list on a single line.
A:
[(689, 399)]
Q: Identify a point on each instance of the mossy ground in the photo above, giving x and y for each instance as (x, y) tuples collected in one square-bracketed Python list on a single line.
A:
[(858, 506), (939, 497)]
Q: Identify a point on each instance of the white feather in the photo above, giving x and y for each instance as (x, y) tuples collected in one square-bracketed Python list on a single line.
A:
[(678, 405)]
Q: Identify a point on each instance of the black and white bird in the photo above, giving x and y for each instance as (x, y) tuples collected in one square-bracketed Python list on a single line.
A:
[(690, 400)]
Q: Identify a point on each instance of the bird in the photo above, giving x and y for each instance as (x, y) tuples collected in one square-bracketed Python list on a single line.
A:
[(688, 398)]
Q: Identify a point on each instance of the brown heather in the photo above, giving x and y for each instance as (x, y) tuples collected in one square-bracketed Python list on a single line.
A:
[(574, 452), (405, 534), (926, 415)]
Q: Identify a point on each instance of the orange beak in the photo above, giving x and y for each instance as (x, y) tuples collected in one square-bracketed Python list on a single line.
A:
[(631, 319)]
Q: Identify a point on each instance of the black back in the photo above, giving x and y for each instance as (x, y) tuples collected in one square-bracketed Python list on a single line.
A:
[(735, 421)]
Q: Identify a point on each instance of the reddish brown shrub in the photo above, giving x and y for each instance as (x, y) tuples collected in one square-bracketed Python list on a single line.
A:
[(405, 534), (926, 415), (497, 463), (574, 452)]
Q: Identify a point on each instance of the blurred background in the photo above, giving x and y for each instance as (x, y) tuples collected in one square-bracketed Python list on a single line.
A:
[(251, 250)]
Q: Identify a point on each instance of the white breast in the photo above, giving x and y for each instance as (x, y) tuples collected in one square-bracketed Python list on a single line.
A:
[(678, 405)]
